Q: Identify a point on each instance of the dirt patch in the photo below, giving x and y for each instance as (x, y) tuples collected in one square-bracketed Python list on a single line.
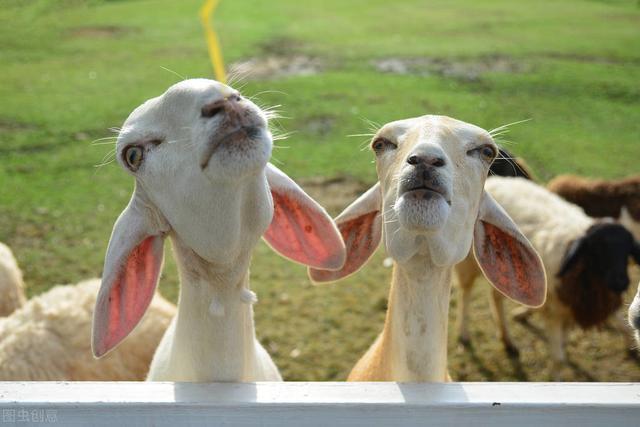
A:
[(334, 194), (8, 125), (467, 69), (270, 67), (281, 46), (101, 31), (592, 59), (319, 125)]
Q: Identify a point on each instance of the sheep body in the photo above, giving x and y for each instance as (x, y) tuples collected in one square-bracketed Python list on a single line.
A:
[(531, 206), (552, 225), (48, 339), (619, 199), (11, 284)]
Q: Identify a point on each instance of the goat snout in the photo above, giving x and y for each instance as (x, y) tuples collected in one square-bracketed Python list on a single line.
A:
[(231, 107), (426, 160), (424, 184), (427, 156)]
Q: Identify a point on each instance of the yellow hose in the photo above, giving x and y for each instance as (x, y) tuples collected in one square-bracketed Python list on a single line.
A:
[(206, 17)]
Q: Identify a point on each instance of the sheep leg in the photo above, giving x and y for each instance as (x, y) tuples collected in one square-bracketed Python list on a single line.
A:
[(620, 323), (556, 339), (521, 314), (497, 309), (465, 284)]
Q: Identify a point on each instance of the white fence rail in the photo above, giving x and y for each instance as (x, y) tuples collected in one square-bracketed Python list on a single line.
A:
[(320, 404)]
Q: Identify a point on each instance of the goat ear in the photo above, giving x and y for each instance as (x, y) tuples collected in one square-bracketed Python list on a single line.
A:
[(361, 227), (635, 251), (131, 271), (571, 256), (506, 257), (301, 229)]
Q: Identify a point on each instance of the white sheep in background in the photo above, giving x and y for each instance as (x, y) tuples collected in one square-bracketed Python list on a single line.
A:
[(48, 339), (586, 261), (11, 284), (430, 206), (199, 155)]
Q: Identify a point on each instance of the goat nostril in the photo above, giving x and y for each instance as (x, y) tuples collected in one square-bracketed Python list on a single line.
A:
[(209, 111), (438, 162), (413, 159)]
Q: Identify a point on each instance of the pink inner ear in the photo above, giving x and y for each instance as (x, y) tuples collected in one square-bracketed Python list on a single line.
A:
[(128, 297), (511, 267), (304, 233), (361, 237)]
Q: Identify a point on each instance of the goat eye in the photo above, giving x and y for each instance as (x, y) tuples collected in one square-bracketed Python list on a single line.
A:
[(381, 144), (133, 157), (486, 152)]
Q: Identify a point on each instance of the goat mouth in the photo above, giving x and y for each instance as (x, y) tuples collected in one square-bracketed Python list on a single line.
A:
[(425, 192), (237, 135)]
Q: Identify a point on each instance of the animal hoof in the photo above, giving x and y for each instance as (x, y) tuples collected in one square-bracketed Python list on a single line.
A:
[(464, 341), (512, 350)]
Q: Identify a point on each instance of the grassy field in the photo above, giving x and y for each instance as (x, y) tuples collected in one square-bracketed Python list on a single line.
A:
[(72, 69)]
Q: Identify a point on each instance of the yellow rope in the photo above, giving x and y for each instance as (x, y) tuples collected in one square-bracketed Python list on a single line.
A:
[(206, 17)]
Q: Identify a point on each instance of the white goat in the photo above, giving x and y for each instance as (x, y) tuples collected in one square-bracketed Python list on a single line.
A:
[(586, 261), (431, 205), (199, 154), (11, 284)]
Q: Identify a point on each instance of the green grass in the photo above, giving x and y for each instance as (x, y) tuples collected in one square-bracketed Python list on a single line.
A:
[(72, 69)]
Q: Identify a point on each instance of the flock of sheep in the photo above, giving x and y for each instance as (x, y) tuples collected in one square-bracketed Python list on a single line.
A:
[(445, 211)]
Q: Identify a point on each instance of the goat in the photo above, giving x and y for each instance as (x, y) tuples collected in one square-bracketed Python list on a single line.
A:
[(199, 154), (430, 207)]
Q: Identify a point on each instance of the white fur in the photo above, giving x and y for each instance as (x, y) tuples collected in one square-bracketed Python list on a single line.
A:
[(549, 222), (48, 339), (634, 315), (11, 284)]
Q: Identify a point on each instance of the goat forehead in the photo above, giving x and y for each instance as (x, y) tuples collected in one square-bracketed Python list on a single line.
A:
[(173, 101), (443, 130), (194, 90)]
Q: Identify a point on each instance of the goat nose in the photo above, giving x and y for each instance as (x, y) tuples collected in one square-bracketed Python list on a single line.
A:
[(426, 160), (228, 105), (212, 110)]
